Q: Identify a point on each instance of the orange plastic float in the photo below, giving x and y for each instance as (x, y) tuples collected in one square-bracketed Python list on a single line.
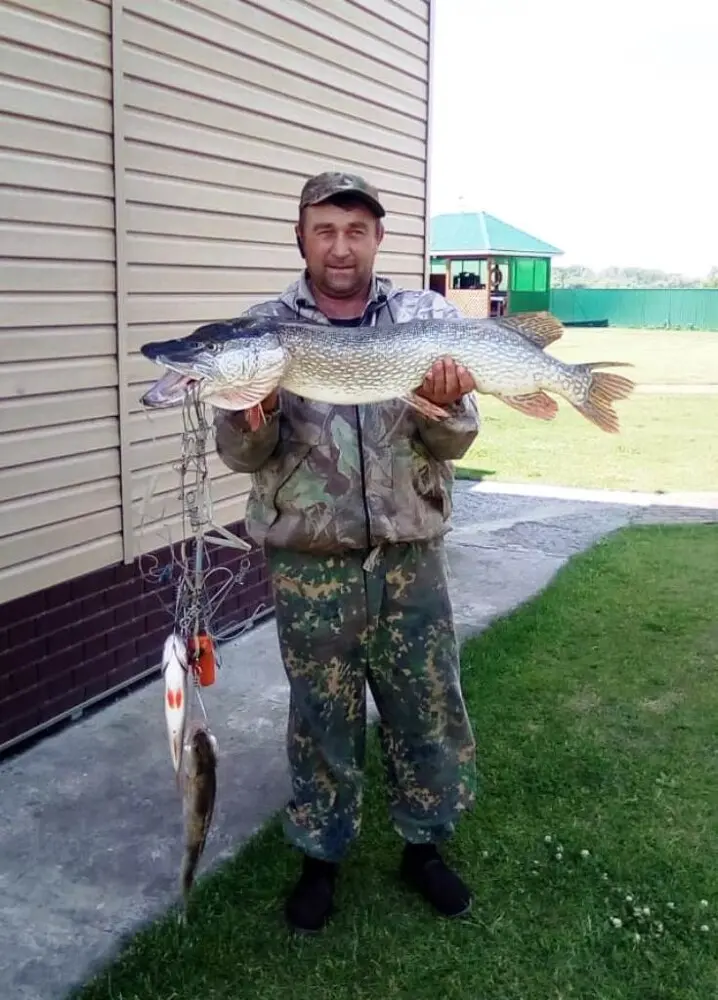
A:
[(204, 662)]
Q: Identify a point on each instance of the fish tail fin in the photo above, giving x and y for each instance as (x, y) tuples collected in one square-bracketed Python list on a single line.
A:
[(604, 390), (190, 860), (540, 328)]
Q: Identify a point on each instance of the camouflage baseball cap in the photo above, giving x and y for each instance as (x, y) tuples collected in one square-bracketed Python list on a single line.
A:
[(330, 183)]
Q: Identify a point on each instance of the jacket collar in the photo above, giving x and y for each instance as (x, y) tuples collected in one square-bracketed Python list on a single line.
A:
[(299, 297)]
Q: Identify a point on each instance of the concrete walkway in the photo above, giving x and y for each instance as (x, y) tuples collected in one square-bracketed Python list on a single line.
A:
[(90, 823)]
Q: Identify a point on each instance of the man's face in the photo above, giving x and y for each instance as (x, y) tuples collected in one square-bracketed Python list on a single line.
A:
[(340, 245)]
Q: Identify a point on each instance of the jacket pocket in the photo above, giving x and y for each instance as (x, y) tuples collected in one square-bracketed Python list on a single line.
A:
[(297, 485), (433, 483), (272, 478), (416, 473)]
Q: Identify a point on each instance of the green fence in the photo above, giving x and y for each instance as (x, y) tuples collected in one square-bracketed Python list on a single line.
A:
[(529, 301), (678, 308)]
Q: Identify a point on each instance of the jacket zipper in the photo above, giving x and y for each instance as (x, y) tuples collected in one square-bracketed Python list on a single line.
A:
[(360, 443), (363, 478), (362, 470)]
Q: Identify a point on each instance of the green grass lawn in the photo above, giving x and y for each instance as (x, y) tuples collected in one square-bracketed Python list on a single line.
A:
[(666, 443), (596, 709)]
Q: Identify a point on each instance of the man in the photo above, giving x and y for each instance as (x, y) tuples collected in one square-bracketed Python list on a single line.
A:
[(351, 505)]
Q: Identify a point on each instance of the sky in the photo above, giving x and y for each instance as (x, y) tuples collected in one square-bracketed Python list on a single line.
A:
[(590, 125)]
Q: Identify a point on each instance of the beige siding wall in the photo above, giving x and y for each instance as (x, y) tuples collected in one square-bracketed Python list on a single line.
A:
[(59, 458), (222, 109)]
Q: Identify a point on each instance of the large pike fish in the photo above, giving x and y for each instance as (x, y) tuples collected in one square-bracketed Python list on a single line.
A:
[(233, 365)]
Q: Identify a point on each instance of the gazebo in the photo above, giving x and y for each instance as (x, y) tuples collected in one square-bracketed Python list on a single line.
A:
[(487, 267)]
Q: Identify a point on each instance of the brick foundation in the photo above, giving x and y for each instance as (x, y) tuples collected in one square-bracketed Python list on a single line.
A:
[(89, 637)]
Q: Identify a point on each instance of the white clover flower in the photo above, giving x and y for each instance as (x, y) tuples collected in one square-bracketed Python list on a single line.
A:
[(548, 838), (659, 927), (585, 853), (616, 921), (705, 928), (636, 936), (704, 903), (559, 856), (671, 906), (629, 899), (647, 911)]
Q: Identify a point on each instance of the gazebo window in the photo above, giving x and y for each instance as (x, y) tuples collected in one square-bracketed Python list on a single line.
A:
[(468, 274), (499, 274)]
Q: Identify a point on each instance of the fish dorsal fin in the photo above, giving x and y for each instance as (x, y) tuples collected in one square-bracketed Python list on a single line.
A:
[(541, 328)]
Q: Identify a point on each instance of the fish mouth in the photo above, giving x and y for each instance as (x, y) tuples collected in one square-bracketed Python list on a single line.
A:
[(186, 362), (169, 390)]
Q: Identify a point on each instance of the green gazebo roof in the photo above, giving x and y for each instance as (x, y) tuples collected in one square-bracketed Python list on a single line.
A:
[(480, 233)]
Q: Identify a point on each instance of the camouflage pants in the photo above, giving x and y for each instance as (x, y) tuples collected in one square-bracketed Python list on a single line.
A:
[(340, 627)]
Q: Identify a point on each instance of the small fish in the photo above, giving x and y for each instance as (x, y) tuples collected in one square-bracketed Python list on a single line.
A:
[(233, 365), (174, 668), (200, 791)]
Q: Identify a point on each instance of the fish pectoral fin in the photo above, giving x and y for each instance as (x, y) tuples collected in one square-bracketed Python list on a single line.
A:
[(429, 410), (256, 417), (534, 404), (540, 328), (234, 399), (246, 397)]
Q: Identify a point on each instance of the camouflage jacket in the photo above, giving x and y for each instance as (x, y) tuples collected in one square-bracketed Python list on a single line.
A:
[(327, 478)]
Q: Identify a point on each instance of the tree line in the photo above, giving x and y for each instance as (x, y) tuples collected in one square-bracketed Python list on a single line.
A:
[(577, 276)]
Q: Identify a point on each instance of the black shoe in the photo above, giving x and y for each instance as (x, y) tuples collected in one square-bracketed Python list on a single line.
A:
[(311, 902), (423, 868)]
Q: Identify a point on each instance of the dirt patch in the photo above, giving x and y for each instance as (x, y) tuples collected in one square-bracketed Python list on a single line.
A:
[(584, 701), (662, 704)]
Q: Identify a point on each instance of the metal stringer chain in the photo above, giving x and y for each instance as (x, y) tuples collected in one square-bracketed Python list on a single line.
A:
[(197, 597)]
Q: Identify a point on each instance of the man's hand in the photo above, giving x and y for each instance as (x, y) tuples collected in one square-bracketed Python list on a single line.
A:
[(446, 382)]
